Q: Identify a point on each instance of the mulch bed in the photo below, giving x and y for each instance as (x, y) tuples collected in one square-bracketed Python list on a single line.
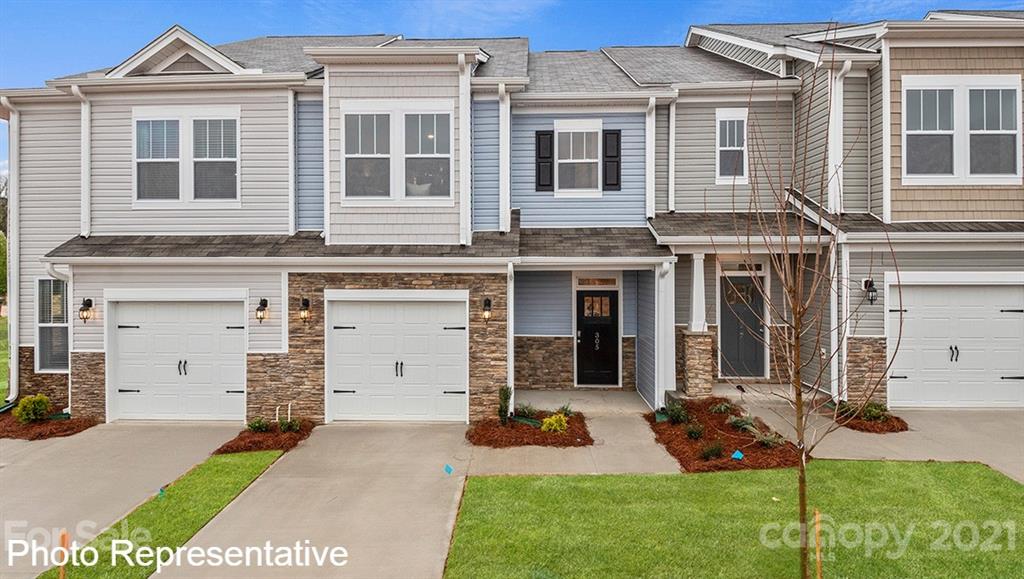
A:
[(11, 428), (491, 433), (891, 424), (687, 451), (272, 439)]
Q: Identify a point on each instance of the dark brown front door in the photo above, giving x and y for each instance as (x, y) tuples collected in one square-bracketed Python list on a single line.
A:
[(597, 338)]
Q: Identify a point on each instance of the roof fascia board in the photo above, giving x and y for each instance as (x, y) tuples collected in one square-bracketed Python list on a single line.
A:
[(871, 29), (510, 82), (933, 237), (183, 82), (777, 52), (770, 50), (942, 15), (596, 97), (501, 262), (177, 32), (358, 54), (728, 87)]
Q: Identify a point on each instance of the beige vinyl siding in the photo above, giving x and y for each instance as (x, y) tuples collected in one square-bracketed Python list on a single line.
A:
[(855, 144), (49, 195), (661, 158), (876, 153), (769, 153), (938, 203), (816, 342), (392, 224), (263, 129), (811, 119), (868, 319), (748, 56), (91, 280)]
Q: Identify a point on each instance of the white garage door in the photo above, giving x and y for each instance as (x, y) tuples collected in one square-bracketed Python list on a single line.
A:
[(961, 346), (178, 360), (397, 361)]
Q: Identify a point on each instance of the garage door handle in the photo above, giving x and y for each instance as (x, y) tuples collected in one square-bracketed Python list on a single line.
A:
[(396, 367), (179, 367), (897, 377), (951, 353), (186, 367), (454, 391), (1012, 311), (234, 391), (344, 391), (344, 327), (127, 390), (957, 348), (1011, 377), (401, 369), (235, 327), (455, 327), (124, 327)]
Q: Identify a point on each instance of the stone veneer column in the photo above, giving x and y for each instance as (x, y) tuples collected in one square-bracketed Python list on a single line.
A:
[(698, 366), (865, 367), (89, 384)]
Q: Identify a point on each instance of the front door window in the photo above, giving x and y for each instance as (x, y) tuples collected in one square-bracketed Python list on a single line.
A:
[(597, 338)]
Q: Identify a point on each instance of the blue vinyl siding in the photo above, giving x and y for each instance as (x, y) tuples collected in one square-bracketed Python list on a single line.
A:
[(543, 303), (645, 337), (485, 166), (309, 164), (629, 281), (614, 208)]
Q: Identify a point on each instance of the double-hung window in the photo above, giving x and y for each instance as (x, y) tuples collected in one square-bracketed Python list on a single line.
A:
[(157, 162), (427, 155), (578, 156), (215, 158), (961, 130), (731, 145), (368, 155), (51, 326)]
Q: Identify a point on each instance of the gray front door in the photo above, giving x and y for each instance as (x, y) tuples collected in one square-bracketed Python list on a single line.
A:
[(742, 342)]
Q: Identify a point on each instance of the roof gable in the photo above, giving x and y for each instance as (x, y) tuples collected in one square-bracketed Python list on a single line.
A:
[(177, 51)]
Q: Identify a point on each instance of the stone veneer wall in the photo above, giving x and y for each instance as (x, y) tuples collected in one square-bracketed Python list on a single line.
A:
[(55, 386), (544, 362), (89, 384), (629, 363), (694, 362), (865, 367)]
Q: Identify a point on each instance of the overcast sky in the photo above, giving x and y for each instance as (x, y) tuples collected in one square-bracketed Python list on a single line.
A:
[(42, 39)]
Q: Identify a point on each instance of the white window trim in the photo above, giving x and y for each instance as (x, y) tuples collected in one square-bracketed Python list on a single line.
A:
[(396, 111), (449, 156), (961, 86), (186, 170), (38, 325), (732, 114), (576, 126)]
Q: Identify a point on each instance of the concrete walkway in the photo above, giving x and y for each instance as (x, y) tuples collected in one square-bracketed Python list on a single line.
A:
[(623, 441), (992, 437), (86, 482)]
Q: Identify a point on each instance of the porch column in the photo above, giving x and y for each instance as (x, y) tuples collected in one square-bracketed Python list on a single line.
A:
[(698, 318), (665, 336)]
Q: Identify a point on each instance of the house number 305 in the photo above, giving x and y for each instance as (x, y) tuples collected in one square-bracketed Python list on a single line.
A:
[(597, 341)]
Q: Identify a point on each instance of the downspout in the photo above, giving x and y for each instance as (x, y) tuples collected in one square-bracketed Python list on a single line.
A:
[(672, 155), (510, 332), (465, 150), (504, 158), (86, 161), (649, 157), (835, 148), (13, 248)]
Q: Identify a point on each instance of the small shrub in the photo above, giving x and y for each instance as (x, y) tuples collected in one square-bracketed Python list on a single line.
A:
[(721, 408), (258, 424), (676, 412), (874, 412), (741, 423), (526, 410), (712, 451), (33, 409), (565, 410), (770, 439), (555, 423), (504, 397), (845, 409), (694, 431), (289, 425)]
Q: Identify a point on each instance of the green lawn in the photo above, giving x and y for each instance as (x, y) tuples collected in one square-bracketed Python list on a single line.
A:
[(186, 507), (708, 525)]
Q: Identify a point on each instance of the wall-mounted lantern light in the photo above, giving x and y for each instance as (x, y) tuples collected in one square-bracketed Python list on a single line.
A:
[(85, 312), (487, 309), (870, 290), (304, 310), (261, 310)]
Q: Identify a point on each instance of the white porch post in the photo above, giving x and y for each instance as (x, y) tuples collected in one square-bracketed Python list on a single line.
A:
[(698, 317), (665, 331)]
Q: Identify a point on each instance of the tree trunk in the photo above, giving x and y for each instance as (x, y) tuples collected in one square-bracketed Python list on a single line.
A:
[(798, 399)]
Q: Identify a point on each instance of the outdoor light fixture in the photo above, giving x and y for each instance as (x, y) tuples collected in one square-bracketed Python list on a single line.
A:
[(304, 310), (85, 312), (487, 309), (261, 310), (870, 290)]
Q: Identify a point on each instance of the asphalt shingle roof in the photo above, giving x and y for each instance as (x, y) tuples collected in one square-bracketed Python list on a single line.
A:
[(662, 65), (508, 56), (284, 53), (1012, 14), (576, 71), (589, 242), (729, 224), (866, 223), (782, 34)]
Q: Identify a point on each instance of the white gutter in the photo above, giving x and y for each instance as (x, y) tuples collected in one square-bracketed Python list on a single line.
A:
[(86, 161), (934, 237), (52, 271), (287, 261), (182, 82), (13, 247)]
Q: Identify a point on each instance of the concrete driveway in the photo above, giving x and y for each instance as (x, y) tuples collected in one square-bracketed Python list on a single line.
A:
[(378, 490), (88, 481)]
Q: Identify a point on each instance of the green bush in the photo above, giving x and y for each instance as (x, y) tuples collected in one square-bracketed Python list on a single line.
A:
[(258, 424), (721, 408), (526, 410), (694, 431), (565, 410), (770, 439), (741, 423), (676, 412), (874, 412), (555, 423), (504, 397), (712, 451), (292, 425), (33, 409)]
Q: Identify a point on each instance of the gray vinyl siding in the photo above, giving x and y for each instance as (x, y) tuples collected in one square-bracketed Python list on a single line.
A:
[(646, 376), (614, 208), (392, 223), (811, 132), (815, 343), (90, 282), (661, 158), (263, 129), (309, 164), (684, 269), (49, 200), (629, 305), (543, 303), (486, 204), (770, 141), (748, 56), (875, 153), (855, 145), (868, 319)]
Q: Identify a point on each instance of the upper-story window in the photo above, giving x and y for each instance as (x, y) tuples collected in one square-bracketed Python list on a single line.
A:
[(186, 154), (961, 130), (398, 152), (578, 157), (731, 153)]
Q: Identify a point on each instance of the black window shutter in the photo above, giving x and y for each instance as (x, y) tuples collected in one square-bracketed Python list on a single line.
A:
[(545, 160), (612, 160)]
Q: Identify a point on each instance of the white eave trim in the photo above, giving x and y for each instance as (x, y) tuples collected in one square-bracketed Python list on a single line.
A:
[(173, 34), (636, 97), (934, 237), (360, 54), (186, 81), (773, 51), (283, 261)]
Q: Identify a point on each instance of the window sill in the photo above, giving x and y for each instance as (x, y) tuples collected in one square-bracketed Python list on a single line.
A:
[(950, 181), (397, 202), (149, 204), (44, 371), (579, 193), (732, 181)]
